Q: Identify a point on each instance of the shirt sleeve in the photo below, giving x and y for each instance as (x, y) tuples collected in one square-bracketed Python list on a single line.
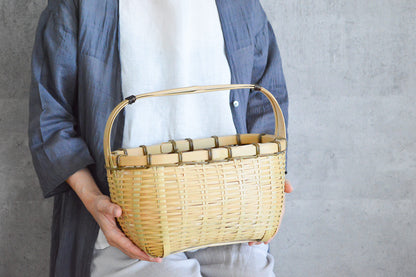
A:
[(55, 144), (268, 73)]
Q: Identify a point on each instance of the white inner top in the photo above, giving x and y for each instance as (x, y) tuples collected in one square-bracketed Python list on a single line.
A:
[(168, 44)]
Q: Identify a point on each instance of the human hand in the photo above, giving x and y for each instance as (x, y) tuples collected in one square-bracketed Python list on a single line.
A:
[(288, 189), (105, 212)]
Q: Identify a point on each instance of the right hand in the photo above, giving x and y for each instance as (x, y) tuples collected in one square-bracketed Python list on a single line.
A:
[(105, 213)]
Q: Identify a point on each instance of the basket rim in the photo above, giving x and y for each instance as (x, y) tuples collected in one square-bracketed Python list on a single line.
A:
[(199, 151)]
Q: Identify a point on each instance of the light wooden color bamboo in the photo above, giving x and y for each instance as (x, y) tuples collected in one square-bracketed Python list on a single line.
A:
[(187, 194)]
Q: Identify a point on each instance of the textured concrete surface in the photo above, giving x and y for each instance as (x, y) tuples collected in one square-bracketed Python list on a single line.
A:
[(24, 214), (350, 68)]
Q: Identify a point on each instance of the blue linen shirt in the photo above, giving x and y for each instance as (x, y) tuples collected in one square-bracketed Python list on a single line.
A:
[(76, 82)]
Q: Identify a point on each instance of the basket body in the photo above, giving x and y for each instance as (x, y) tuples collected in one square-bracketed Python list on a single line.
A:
[(168, 209), (189, 194)]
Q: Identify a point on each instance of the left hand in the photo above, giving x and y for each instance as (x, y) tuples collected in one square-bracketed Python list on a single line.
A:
[(288, 189)]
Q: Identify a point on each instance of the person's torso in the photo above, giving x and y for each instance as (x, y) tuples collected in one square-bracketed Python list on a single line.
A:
[(99, 91)]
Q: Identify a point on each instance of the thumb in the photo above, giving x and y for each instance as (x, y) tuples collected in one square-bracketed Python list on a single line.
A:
[(114, 210)]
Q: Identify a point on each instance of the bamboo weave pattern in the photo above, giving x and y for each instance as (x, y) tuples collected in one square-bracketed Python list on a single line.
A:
[(169, 209)]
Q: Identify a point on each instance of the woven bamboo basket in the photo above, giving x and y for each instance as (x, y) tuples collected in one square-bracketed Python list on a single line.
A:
[(188, 194)]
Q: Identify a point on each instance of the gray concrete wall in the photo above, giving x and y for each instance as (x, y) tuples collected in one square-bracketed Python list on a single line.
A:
[(350, 68)]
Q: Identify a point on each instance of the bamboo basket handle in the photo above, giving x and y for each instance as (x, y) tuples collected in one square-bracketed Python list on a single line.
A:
[(280, 129)]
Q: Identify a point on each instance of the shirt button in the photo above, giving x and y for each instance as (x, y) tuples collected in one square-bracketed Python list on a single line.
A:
[(235, 104)]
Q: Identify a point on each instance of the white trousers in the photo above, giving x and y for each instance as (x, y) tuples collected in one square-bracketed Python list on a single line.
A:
[(238, 260)]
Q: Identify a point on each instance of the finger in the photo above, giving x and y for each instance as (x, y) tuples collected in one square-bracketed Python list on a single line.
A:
[(288, 187), (109, 208), (251, 243), (116, 210), (128, 247)]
